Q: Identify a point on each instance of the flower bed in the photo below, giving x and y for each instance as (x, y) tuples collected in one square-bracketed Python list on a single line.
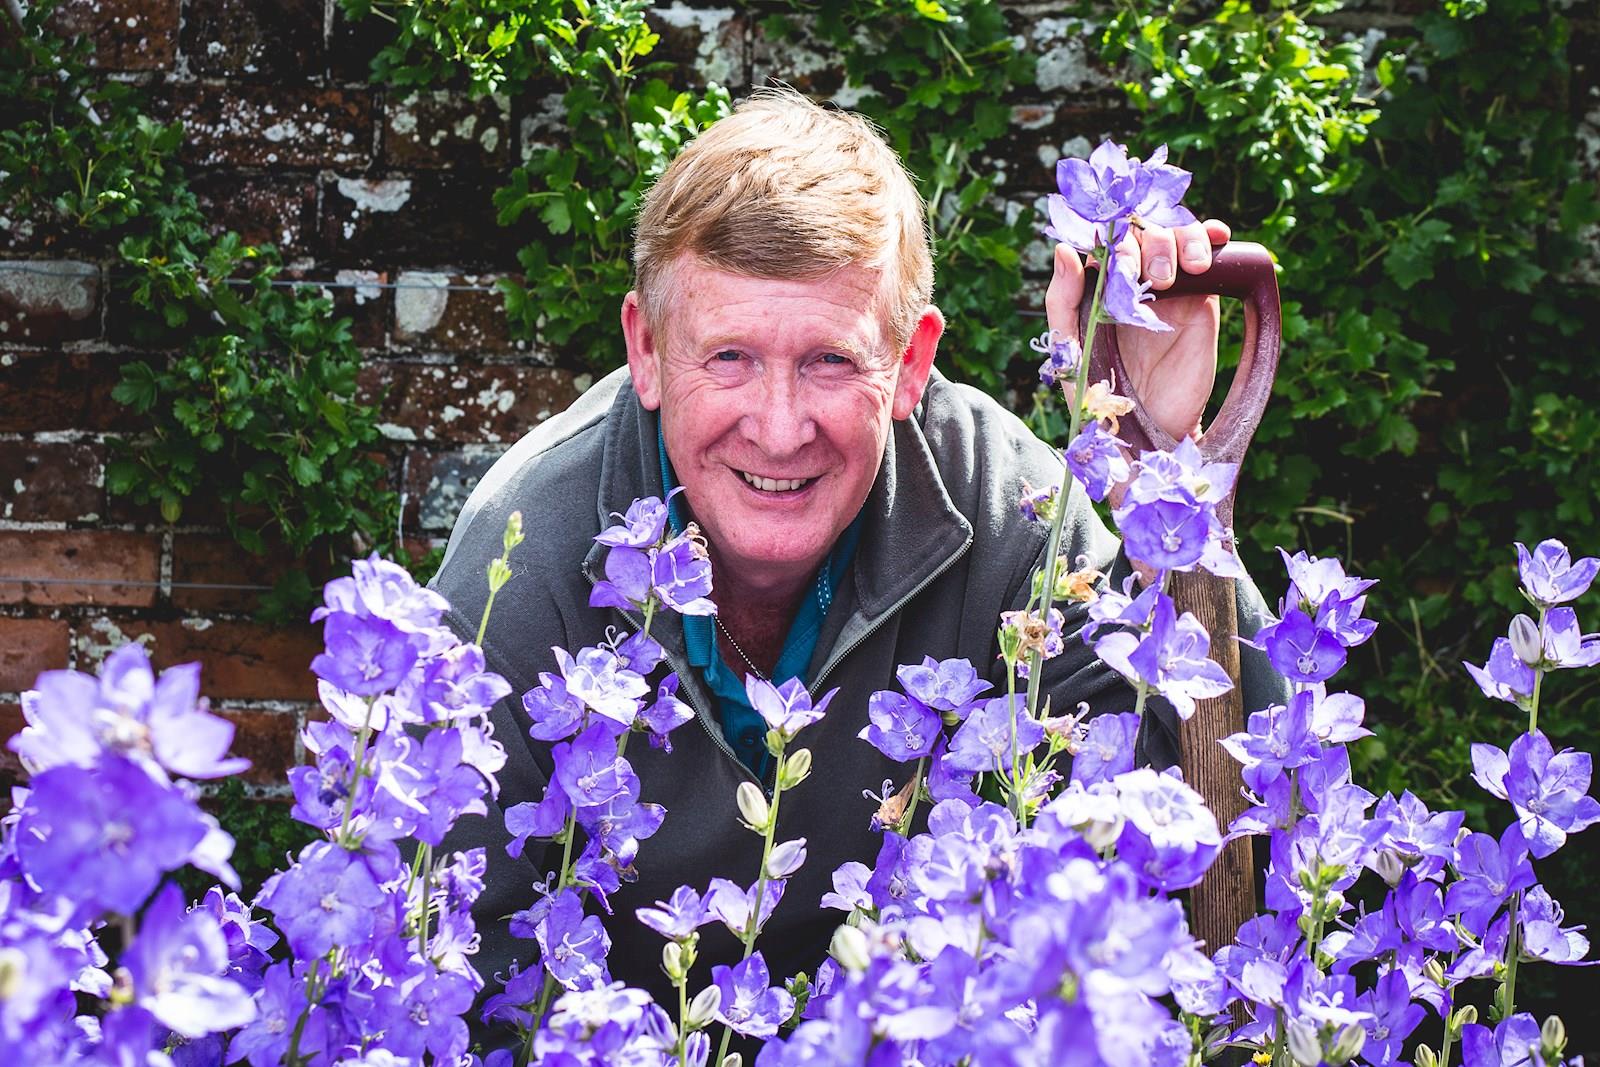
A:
[(1033, 922)]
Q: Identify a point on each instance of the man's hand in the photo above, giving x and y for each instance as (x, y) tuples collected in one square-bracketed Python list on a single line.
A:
[(1172, 372)]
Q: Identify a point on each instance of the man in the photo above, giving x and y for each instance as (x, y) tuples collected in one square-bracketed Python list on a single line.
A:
[(860, 510)]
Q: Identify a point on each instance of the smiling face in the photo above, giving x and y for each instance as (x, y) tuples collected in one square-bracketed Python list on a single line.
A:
[(776, 399)]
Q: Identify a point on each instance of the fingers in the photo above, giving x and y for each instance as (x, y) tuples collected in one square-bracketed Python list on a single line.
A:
[(1189, 247), (1065, 293)]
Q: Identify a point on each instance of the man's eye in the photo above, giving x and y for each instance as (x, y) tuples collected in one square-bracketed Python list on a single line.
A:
[(835, 359), (727, 355)]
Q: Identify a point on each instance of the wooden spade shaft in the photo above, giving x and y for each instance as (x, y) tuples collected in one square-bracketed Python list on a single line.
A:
[(1226, 898)]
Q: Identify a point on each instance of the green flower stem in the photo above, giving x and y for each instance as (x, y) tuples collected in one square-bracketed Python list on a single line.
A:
[(1075, 421), (1508, 988), (425, 853), (903, 827), (683, 1017), (313, 995), (754, 926), (359, 767)]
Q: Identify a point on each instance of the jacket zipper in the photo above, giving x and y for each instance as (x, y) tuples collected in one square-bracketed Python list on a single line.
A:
[(834, 661)]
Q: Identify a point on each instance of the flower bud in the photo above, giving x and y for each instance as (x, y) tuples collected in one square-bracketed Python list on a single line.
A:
[(1347, 1045), (786, 858), (1426, 1057), (1333, 903), (849, 947), (753, 806), (1465, 1017), (796, 768), (1525, 640), (1433, 971), (732, 1059), (1553, 1036), (1389, 866), (513, 535), (703, 1008), (672, 961), (1304, 1047), (13, 972)]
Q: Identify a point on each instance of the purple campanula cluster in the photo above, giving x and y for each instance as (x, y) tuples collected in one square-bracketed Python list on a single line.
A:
[(1319, 620), (1099, 199), (645, 565), (1062, 356)]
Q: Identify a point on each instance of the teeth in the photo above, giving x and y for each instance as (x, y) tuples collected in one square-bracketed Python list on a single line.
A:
[(774, 485)]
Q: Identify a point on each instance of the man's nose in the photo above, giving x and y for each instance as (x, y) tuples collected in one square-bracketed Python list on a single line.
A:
[(780, 421)]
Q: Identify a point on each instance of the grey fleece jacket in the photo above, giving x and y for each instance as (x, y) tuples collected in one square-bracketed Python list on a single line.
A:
[(943, 551)]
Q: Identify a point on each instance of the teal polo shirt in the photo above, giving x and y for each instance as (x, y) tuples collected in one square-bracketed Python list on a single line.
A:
[(742, 726)]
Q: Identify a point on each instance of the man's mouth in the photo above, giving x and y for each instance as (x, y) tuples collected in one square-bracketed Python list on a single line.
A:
[(775, 485)]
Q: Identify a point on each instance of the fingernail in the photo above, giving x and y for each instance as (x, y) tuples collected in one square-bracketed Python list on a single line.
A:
[(1196, 250), (1161, 269)]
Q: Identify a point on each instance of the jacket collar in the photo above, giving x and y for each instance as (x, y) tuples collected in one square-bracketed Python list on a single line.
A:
[(912, 530)]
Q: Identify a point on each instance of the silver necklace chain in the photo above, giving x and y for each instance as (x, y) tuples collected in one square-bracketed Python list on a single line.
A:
[(747, 660)]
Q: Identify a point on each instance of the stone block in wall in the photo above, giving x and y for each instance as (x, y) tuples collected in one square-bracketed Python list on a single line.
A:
[(708, 43), (49, 568), (286, 126), (437, 312), (275, 209), (438, 484), (124, 34), (253, 39), (446, 128), (213, 573), (238, 660), (1069, 66), (467, 402), (28, 647), (429, 217), (11, 723), (48, 481), (43, 391), (264, 737), (43, 301)]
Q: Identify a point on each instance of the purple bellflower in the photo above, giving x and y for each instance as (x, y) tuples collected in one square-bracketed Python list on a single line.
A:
[(1171, 658), (678, 917), (1548, 789), (993, 733), (1095, 458), (572, 945), (901, 727), (177, 962), (944, 685), (1550, 576), (642, 526), (1061, 357), (749, 1004), (786, 708), (1504, 676), (1489, 871), (589, 769), (1170, 838)]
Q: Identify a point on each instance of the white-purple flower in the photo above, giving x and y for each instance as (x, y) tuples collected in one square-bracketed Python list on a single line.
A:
[(1504, 676), (573, 945), (750, 1005), (1171, 658), (678, 917), (786, 708), (1548, 789), (1170, 838), (1061, 356), (995, 733), (642, 526), (177, 962), (1549, 574), (943, 685)]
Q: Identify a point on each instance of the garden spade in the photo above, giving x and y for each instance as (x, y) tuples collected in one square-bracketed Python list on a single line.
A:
[(1227, 895)]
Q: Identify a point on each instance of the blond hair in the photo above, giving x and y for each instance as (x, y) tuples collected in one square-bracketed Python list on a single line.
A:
[(783, 188)]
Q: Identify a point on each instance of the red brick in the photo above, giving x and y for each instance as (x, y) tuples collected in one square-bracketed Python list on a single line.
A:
[(43, 301), (430, 217), (447, 129), (11, 724), (238, 660), (431, 316), (78, 567), (205, 559), (279, 210), (266, 739), (468, 402), (291, 126), (50, 482), (29, 647), (253, 39), (51, 390), (126, 34)]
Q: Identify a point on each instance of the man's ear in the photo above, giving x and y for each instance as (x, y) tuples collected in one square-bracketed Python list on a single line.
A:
[(917, 362), (644, 362)]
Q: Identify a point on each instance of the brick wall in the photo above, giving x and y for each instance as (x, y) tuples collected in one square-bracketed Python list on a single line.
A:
[(289, 143)]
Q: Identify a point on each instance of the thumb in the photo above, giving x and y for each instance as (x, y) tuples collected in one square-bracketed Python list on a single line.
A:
[(1065, 293)]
